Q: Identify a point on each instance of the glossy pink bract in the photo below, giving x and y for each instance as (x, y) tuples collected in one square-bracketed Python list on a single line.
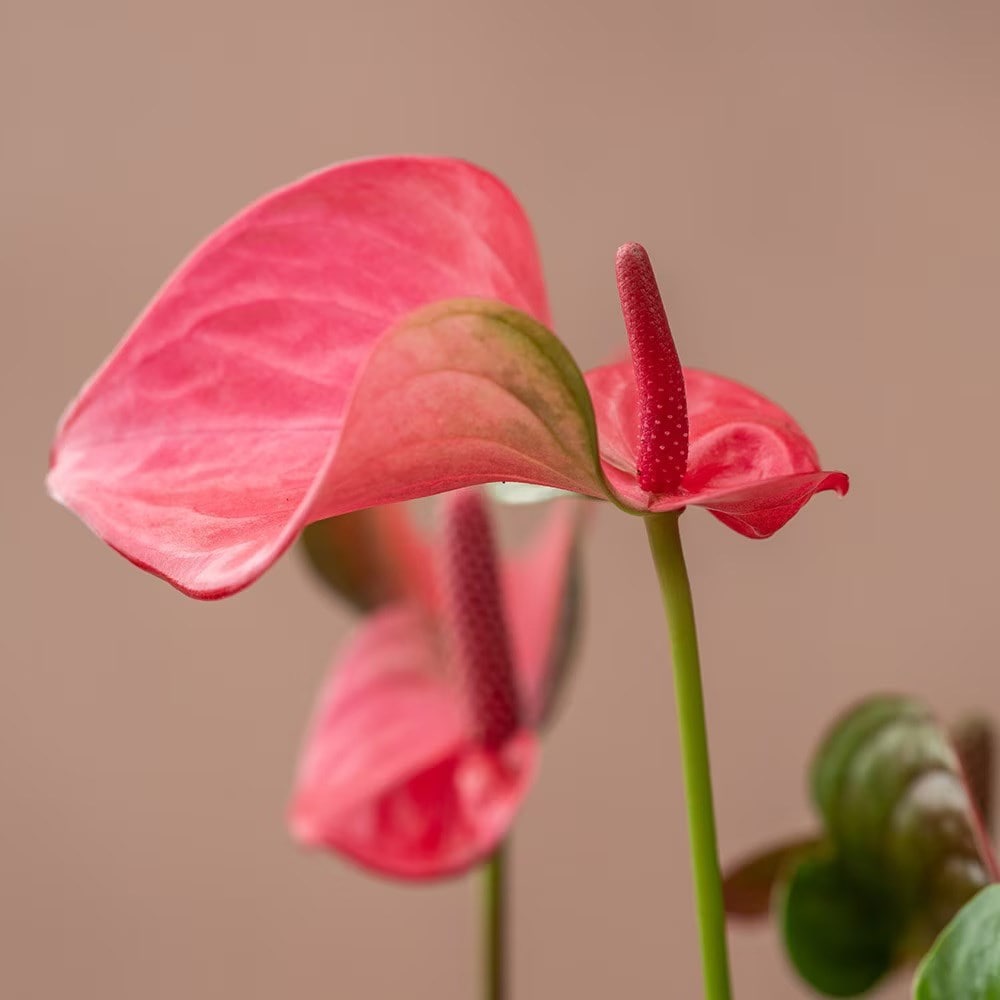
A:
[(198, 449), (374, 333)]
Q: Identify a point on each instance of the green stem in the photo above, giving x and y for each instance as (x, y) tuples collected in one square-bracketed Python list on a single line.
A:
[(665, 544), (495, 925)]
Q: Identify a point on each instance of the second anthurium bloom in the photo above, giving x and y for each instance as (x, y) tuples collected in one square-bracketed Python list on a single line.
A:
[(423, 742), (378, 332)]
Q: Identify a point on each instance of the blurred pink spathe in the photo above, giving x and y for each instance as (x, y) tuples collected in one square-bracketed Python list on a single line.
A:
[(423, 744)]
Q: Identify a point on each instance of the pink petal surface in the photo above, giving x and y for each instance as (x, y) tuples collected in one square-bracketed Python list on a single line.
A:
[(749, 462), (389, 775), (540, 596), (460, 393), (196, 444)]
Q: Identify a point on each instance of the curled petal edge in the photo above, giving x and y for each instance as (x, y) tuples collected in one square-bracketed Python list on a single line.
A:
[(459, 393), (758, 511)]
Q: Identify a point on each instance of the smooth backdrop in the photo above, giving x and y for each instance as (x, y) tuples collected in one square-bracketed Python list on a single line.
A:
[(817, 183)]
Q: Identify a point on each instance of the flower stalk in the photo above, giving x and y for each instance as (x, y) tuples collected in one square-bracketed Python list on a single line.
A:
[(495, 925), (668, 556)]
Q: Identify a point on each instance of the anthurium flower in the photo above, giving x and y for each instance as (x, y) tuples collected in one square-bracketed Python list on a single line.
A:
[(377, 332), (424, 741)]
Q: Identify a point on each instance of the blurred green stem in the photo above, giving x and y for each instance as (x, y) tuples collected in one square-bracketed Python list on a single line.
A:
[(665, 544), (495, 925)]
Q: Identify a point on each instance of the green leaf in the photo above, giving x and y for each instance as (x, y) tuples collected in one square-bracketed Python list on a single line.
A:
[(840, 938), (890, 787), (749, 885), (964, 963), (863, 765), (900, 852)]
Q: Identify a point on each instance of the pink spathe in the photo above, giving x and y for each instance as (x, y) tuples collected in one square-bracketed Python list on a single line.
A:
[(424, 743), (374, 333), (748, 462)]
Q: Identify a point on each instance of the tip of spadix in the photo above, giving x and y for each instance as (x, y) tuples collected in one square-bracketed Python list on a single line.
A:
[(631, 250), (629, 259)]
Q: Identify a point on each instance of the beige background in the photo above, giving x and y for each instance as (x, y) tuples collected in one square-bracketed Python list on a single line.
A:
[(818, 185)]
